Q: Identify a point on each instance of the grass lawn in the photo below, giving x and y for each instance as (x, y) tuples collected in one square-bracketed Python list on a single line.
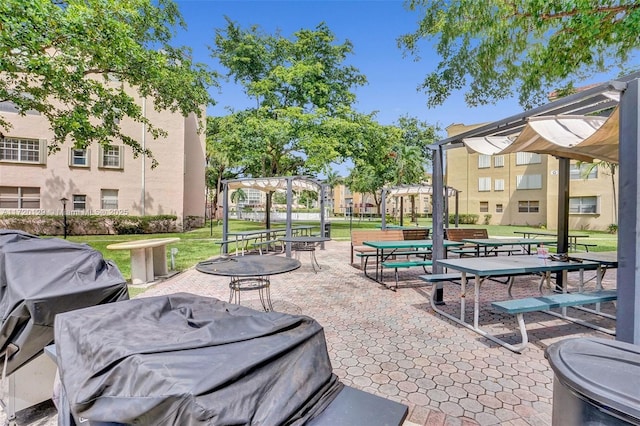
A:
[(197, 245)]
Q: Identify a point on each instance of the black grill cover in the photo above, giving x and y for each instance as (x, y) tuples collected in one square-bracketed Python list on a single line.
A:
[(41, 277), (184, 359)]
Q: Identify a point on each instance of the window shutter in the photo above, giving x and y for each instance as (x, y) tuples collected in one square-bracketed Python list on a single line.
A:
[(43, 151), (121, 157), (100, 156), (88, 157)]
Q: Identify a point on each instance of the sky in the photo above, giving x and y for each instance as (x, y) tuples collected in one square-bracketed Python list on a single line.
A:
[(372, 26)]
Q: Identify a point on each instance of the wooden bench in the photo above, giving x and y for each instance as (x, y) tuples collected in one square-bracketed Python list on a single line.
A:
[(405, 264), (359, 236), (470, 250), (519, 307), (415, 234)]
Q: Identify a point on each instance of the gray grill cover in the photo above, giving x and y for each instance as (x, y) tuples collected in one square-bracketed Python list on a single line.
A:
[(191, 360), (41, 277)]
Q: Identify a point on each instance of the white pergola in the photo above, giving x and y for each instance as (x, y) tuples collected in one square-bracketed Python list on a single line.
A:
[(272, 184), (401, 191), (600, 123)]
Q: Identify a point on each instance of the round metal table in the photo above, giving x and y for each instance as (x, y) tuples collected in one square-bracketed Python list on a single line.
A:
[(306, 243), (251, 272)]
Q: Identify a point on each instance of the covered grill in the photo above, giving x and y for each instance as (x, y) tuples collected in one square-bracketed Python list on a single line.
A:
[(42, 277), (188, 359)]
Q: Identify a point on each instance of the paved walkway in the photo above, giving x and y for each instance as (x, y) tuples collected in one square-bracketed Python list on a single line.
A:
[(392, 344)]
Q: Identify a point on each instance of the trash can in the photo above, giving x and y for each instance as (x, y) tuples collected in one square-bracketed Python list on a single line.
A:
[(327, 230), (596, 382)]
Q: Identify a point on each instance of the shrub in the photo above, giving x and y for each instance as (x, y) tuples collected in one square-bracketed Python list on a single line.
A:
[(464, 219), (90, 224), (487, 219)]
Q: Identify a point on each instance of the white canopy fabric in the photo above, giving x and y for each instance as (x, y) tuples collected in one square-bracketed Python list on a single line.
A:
[(298, 183), (488, 145), (407, 190), (578, 137)]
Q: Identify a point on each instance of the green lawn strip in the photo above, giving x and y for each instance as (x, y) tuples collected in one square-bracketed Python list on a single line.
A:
[(197, 245)]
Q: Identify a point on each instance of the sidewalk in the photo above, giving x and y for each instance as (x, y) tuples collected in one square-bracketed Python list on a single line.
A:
[(392, 344)]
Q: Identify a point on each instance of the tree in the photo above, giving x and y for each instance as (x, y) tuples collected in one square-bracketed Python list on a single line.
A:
[(238, 196), (494, 46), (413, 153), (332, 180), (71, 61), (303, 97)]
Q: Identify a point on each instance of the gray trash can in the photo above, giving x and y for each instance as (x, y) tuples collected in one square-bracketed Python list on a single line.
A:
[(327, 230), (596, 382)]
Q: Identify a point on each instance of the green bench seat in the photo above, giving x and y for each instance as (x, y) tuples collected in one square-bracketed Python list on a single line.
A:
[(519, 307), (266, 244), (453, 277), (405, 264)]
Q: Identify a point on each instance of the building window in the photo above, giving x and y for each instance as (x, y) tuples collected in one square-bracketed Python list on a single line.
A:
[(18, 150), (499, 208), (528, 206), (8, 106), (498, 185), (484, 184), (523, 158), (19, 197), (484, 207), (109, 199), (529, 182), (583, 171), (79, 157), (79, 202), (484, 161), (111, 157), (498, 161), (583, 205)]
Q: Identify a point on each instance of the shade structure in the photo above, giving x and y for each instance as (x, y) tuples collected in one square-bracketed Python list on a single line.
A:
[(272, 184), (298, 183), (585, 138), (616, 139), (408, 190)]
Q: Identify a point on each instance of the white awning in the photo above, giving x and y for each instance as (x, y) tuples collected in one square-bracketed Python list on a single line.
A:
[(406, 190), (298, 183), (488, 145), (578, 137)]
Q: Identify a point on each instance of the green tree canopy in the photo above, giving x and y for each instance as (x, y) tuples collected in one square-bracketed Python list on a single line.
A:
[(70, 60), (494, 46), (303, 96)]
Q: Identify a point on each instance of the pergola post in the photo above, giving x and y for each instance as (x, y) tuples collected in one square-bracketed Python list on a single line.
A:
[(628, 274), (438, 216), (225, 216)]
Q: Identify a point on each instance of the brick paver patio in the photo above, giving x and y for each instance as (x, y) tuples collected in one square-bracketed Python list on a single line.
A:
[(392, 344)]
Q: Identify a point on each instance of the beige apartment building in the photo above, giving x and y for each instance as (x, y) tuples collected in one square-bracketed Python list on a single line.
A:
[(522, 189), (100, 181)]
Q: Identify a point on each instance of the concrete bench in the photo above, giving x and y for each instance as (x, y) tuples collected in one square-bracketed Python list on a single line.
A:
[(148, 258), (405, 264), (519, 307)]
